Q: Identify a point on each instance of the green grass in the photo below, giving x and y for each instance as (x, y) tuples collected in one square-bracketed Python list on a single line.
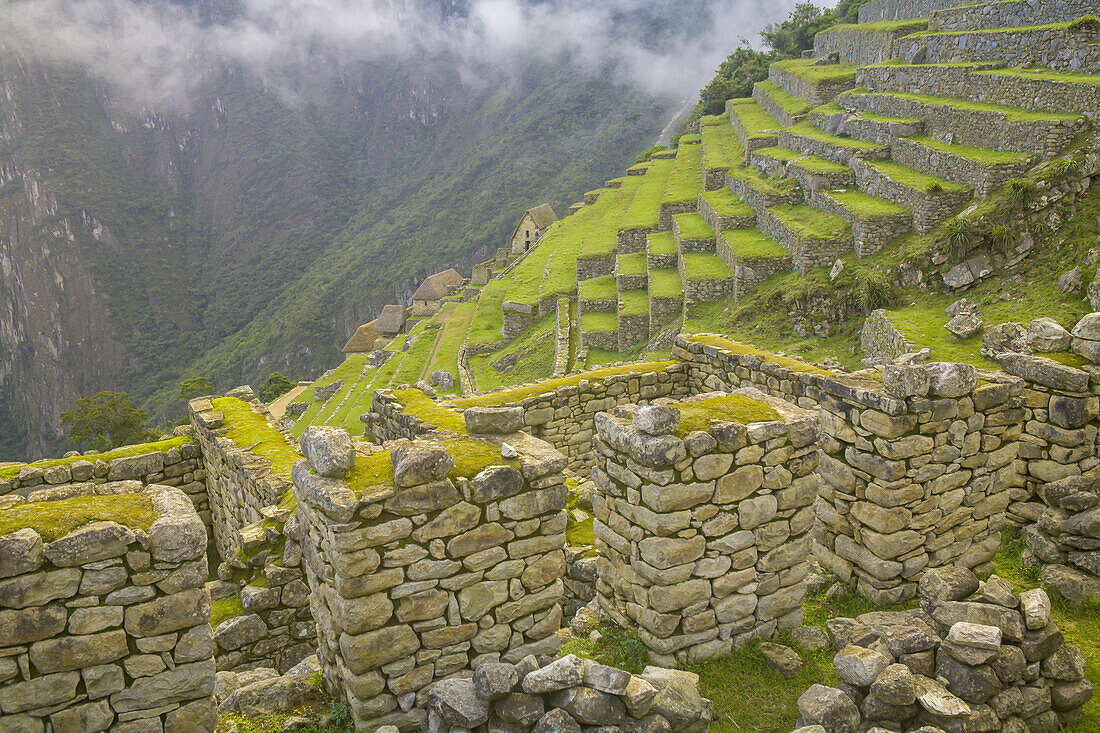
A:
[(982, 156), (690, 139), (577, 534), (617, 647), (753, 244), (225, 608), (462, 314), (870, 117), (865, 206), (55, 519), (814, 164), (686, 181), (704, 267), (756, 121), (806, 70), (597, 322), (734, 347), (829, 108), (726, 203), (711, 120), (530, 390), (721, 147), (8, 472), (806, 221), (777, 152), (1017, 29), (633, 303), (415, 360), (808, 130), (914, 179), (598, 288), (883, 26), (693, 226), (532, 350), (1014, 114), (727, 408), (665, 283), (1062, 357), (251, 431), (488, 318), (1068, 77), (644, 207), (789, 103), (416, 403), (634, 263), (661, 243)]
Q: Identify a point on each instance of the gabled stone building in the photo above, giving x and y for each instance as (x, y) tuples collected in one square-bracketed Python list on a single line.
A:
[(428, 298), (391, 321), (532, 225)]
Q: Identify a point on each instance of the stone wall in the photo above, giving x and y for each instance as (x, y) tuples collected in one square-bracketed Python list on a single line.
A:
[(984, 178), (929, 208), (961, 82), (1066, 538), (880, 338), (239, 482), (633, 330), (517, 317), (901, 9), (859, 46), (595, 267), (418, 571), (1057, 48), (169, 462), (667, 211), (604, 340), (990, 130), (703, 539), (814, 94), (868, 235), (1010, 14), (564, 694), (976, 656), (662, 310), (631, 240), (108, 625), (721, 223)]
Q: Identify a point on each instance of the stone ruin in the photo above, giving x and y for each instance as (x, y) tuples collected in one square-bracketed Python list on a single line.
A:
[(976, 656)]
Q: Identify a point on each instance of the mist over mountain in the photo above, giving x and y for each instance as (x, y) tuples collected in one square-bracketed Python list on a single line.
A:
[(224, 189)]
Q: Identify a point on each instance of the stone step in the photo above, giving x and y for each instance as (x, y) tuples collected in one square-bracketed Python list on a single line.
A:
[(661, 251), (867, 43), (930, 200), (985, 170), (692, 233), (722, 151), (752, 257), (631, 271), (875, 222), (755, 127), (722, 209), (1009, 14), (810, 140), (705, 276), (812, 81), (814, 238), (813, 173), (786, 108), (1062, 46), (666, 296), (970, 123), (598, 295), (600, 330), (633, 319), (873, 128), (1035, 89), (759, 191)]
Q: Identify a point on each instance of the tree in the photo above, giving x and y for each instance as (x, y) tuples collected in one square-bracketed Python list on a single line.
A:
[(106, 421), (275, 387), (796, 34), (735, 78), (195, 387)]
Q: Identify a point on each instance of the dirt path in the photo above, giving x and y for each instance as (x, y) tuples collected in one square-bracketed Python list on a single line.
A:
[(278, 407), (446, 319)]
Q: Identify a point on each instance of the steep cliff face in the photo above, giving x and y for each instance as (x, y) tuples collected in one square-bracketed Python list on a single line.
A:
[(254, 233)]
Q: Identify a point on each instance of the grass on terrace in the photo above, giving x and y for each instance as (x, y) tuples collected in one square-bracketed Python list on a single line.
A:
[(1014, 114), (756, 121), (693, 139), (414, 402), (686, 182), (633, 303), (488, 318), (634, 263), (789, 103), (808, 71), (753, 244), (598, 288), (779, 153), (550, 385), (661, 243), (451, 341), (55, 519), (882, 26), (415, 360), (665, 283), (599, 322), (865, 206), (645, 206), (795, 365), (8, 472), (692, 226), (981, 156), (1068, 77), (808, 130), (721, 148), (726, 203), (710, 120), (533, 354), (704, 267), (914, 179), (814, 164), (1018, 29), (809, 222)]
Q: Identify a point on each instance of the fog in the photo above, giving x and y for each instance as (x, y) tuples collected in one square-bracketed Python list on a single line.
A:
[(156, 54)]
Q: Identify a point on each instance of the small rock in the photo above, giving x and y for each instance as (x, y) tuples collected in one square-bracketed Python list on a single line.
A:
[(859, 666), (829, 707), (960, 306), (1046, 335), (1036, 607), (838, 267), (965, 325), (783, 660), (810, 637), (1072, 281), (657, 419)]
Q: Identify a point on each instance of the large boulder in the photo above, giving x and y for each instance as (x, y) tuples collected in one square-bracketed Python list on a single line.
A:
[(830, 708), (329, 450), (271, 695)]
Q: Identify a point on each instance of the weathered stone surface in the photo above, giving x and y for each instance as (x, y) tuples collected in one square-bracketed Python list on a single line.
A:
[(829, 708), (75, 652), (20, 552), (558, 675), (328, 449), (271, 695), (493, 420), (420, 462), (458, 704), (657, 419), (169, 613), (494, 680), (31, 624), (895, 686), (859, 666), (373, 649), (240, 631), (782, 659)]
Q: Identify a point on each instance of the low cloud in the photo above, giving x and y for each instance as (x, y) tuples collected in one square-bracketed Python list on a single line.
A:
[(157, 54)]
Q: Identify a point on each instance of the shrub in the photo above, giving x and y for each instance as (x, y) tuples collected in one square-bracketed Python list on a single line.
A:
[(1000, 237), (1085, 23), (957, 236), (875, 289), (934, 187), (1065, 167), (1020, 191)]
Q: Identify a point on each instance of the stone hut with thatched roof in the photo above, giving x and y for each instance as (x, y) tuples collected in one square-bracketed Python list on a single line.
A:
[(391, 321), (363, 340), (532, 225), (428, 298)]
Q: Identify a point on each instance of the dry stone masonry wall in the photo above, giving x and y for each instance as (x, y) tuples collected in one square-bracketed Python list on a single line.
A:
[(107, 626), (417, 574), (703, 540)]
